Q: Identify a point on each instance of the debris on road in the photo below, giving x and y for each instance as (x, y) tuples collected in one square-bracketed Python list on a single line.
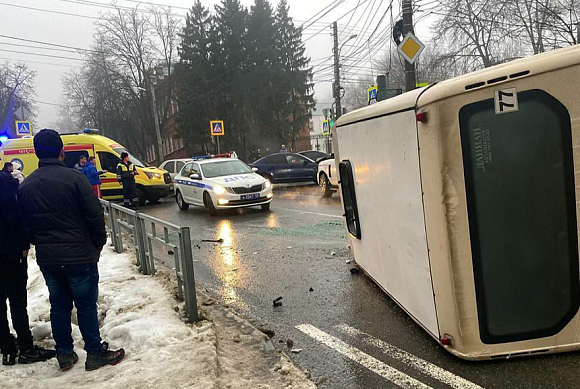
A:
[(277, 302), (170, 252), (198, 246), (290, 343), (213, 240), (354, 270), (208, 302), (333, 253), (255, 253), (289, 247), (236, 269), (348, 261), (311, 290), (237, 338), (296, 350)]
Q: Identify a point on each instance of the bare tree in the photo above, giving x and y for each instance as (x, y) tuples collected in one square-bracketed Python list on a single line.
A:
[(474, 31), (16, 91)]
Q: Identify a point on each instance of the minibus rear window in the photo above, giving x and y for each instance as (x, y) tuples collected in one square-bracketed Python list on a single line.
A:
[(519, 177), (347, 185)]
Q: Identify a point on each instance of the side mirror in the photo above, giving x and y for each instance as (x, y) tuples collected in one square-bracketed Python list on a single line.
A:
[(254, 169), (195, 176)]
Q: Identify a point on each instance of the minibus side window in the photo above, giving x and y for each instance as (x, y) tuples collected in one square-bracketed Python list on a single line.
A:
[(519, 178), (349, 198)]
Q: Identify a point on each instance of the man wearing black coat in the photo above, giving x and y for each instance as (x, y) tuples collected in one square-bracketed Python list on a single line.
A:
[(13, 276), (65, 222)]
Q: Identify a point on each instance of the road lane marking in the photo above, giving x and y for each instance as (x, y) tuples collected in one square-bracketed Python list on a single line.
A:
[(390, 373), (420, 364), (311, 213)]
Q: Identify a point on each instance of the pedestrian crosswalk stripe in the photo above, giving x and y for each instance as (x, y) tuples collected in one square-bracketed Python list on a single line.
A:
[(390, 373), (421, 365)]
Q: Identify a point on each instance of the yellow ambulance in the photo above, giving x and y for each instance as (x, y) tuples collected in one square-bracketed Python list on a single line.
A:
[(152, 183)]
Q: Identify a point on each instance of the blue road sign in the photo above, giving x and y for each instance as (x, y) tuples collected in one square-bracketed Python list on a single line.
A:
[(217, 128), (372, 93), (23, 128), (325, 127)]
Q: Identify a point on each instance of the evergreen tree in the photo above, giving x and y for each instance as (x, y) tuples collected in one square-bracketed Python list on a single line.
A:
[(231, 61), (264, 67), (295, 87), (195, 74)]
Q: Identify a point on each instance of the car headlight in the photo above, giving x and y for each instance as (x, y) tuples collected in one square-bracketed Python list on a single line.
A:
[(266, 184), (219, 189), (153, 176)]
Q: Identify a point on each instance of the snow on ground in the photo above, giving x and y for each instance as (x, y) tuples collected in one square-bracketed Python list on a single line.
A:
[(135, 313)]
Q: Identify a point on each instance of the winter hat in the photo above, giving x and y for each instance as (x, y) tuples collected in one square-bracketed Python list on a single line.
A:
[(124, 155), (47, 144)]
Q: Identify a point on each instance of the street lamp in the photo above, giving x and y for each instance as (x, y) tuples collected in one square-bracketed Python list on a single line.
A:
[(349, 38)]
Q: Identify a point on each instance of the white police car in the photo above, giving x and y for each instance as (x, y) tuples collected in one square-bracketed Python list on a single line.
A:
[(221, 183)]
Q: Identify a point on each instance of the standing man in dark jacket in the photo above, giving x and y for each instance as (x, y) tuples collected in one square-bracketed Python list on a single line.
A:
[(126, 176), (65, 222), (13, 276)]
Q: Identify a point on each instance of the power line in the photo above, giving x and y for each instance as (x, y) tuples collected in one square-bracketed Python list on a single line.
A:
[(38, 47), (42, 55), (49, 11), (47, 43), (38, 62)]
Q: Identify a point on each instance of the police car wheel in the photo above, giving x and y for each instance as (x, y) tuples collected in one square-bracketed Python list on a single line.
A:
[(324, 185), (180, 202), (209, 204)]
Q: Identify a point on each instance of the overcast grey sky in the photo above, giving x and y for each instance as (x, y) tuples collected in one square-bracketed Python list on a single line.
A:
[(20, 19)]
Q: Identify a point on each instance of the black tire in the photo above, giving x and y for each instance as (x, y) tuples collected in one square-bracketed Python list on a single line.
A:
[(181, 202), (142, 196), (265, 207), (154, 199), (209, 204), (324, 185)]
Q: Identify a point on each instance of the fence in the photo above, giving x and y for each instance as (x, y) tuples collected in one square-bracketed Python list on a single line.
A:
[(144, 229)]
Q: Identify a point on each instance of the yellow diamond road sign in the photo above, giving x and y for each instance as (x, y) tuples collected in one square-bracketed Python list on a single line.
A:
[(411, 47)]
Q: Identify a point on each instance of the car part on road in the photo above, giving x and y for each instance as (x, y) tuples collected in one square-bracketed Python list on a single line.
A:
[(181, 202), (213, 240), (290, 343), (324, 184), (277, 302)]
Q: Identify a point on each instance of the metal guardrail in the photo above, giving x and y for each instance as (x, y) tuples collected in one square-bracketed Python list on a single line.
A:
[(145, 232)]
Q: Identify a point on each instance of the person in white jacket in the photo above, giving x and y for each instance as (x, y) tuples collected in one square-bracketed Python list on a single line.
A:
[(17, 172)]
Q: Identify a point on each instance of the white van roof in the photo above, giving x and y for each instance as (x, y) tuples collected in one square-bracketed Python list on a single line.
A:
[(484, 78)]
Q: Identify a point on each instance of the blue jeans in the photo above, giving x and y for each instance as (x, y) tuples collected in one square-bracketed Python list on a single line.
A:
[(78, 284)]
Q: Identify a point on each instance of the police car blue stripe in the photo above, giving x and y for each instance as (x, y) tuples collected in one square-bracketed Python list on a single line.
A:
[(193, 183)]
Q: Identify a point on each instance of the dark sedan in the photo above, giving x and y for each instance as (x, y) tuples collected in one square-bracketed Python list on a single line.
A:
[(286, 167)]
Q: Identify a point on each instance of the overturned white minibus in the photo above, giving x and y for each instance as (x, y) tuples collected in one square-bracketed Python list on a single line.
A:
[(460, 200)]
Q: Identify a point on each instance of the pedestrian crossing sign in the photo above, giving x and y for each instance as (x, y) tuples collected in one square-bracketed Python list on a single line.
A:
[(23, 128), (217, 128), (372, 94), (325, 127)]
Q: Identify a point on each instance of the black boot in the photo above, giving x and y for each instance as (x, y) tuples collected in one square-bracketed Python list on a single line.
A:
[(9, 354), (66, 361), (104, 357), (35, 354)]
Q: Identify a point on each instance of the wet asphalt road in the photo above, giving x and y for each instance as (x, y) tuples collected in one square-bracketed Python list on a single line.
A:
[(301, 244)]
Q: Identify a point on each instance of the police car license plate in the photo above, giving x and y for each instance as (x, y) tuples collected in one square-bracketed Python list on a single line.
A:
[(250, 196)]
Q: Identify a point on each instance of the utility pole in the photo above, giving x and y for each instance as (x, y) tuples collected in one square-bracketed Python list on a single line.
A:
[(410, 80), (152, 82), (336, 84)]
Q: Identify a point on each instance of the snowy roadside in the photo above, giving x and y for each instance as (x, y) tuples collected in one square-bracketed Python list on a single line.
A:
[(136, 313)]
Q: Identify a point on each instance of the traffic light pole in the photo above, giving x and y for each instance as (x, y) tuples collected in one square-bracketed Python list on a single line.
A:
[(336, 91), (410, 78)]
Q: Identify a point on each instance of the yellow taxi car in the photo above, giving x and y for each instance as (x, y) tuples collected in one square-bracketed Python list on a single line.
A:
[(152, 183)]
